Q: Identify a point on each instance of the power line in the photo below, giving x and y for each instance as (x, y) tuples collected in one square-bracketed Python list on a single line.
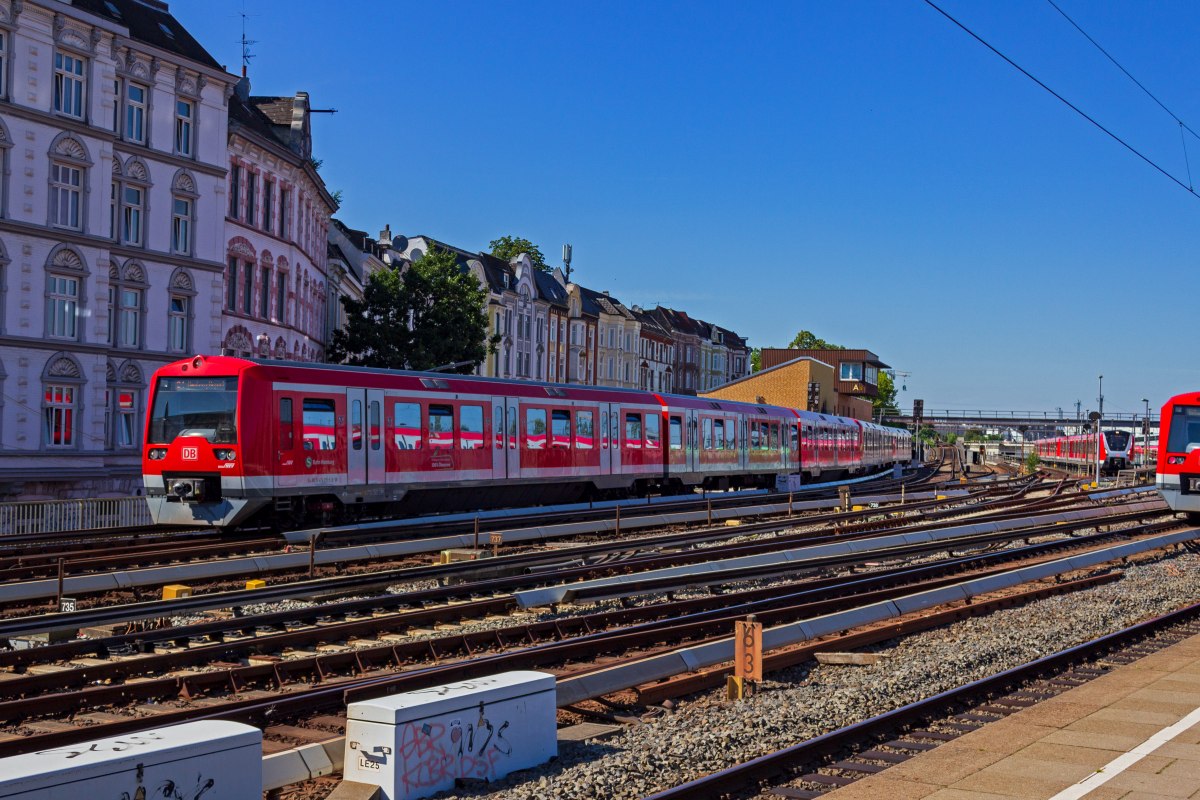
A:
[(1062, 99), (1136, 82)]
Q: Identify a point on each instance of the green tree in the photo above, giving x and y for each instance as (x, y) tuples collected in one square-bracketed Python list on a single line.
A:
[(951, 438), (885, 401), (1031, 463), (509, 247), (807, 340), (756, 360), (444, 305)]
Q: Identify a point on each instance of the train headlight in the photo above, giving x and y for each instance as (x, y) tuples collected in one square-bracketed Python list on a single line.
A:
[(1176, 460), (157, 453), (225, 455)]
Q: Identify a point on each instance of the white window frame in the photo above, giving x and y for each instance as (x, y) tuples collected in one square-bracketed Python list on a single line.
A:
[(185, 128), (136, 116), (66, 197), (178, 323), (62, 308), (181, 225), (133, 216), (130, 302), (70, 85), (64, 411)]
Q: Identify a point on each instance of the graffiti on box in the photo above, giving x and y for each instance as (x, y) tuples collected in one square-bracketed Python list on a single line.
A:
[(432, 753)]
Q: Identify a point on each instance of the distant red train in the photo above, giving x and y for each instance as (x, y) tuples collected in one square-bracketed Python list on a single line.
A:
[(1115, 450), (1178, 470), (229, 440)]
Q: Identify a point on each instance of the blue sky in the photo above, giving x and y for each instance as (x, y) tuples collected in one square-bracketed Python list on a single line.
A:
[(864, 170)]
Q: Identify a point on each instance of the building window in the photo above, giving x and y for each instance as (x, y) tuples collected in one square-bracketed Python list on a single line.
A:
[(112, 209), (116, 117), (851, 371), (265, 295), (68, 85), (121, 404), (251, 179), (284, 210), (111, 334), (59, 416), (130, 318), (63, 310), (177, 323), (280, 296), (181, 226), (66, 193), (235, 191), (268, 204), (132, 199), (135, 113), (183, 127), (248, 291), (3, 61), (231, 285)]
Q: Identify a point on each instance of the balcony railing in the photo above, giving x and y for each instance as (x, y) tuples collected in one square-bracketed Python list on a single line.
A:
[(61, 516)]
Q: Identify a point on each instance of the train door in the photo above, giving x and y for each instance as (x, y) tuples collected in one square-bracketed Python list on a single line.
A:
[(376, 463), (693, 441), (356, 452), (499, 440), (512, 448)]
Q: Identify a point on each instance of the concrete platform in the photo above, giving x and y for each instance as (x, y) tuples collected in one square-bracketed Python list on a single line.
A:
[(1133, 734)]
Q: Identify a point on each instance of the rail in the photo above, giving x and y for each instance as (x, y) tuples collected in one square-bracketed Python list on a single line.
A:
[(57, 516)]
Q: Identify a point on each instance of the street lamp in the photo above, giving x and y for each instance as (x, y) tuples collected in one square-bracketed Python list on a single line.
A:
[(1099, 421), (1146, 433)]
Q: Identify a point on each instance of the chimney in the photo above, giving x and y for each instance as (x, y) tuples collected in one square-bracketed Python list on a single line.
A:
[(242, 87)]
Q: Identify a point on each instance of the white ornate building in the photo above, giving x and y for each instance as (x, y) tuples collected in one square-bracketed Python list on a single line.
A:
[(277, 213), (112, 167)]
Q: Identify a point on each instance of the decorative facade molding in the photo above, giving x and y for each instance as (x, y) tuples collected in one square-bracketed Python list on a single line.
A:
[(63, 366)]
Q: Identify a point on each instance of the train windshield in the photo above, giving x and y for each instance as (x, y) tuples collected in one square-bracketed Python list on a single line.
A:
[(204, 407), (1117, 440), (1184, 436)]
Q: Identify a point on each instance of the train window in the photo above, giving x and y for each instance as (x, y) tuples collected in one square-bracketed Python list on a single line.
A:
[(535, 428), (286, 431), (560, 428), (731, 434), (441, 427), (512, 427), (604, 429), (755, 436), (585, 437), (1184, 435), (706, 426), (376, 438), (675, 433), (356, 422), (633, 430), (652, 437), (470, 427), (407, 432), (498, 427), (794, 431), (719, 434), (774, 436), (318, 431)]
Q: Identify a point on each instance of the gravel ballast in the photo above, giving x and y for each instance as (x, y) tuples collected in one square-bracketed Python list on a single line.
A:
[(709, 733)]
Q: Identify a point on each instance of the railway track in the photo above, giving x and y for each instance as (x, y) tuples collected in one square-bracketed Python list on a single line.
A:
[(225, 667), (811, 768)]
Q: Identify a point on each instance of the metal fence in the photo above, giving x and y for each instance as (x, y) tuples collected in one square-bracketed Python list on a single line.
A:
[(59, 516)]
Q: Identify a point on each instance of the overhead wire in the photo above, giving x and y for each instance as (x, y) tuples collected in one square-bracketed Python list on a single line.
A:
[(1064, 100)]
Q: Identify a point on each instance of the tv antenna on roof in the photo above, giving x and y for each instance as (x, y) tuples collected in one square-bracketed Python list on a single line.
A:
[(246, 56)]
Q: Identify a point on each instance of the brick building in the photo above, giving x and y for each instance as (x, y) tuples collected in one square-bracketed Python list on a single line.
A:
[(803, 383), (856, 376)]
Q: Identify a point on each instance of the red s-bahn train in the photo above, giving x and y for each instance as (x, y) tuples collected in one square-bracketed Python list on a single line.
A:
[(1115, 450), (1177, 474), (229, 440)]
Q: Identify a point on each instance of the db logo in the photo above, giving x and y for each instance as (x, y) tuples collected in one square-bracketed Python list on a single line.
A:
[(191, 453)]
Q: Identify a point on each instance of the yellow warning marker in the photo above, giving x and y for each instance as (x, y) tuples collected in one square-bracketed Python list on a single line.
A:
[(175, 591), (256, 584), (732, 523), (857, 508), (940, 497)]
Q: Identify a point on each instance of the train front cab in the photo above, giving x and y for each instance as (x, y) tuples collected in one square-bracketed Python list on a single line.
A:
[(194, 456), (1178, 471)]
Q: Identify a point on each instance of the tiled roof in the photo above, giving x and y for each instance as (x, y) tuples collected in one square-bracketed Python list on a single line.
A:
[(549, 289), (277, 109), (150, 22)]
